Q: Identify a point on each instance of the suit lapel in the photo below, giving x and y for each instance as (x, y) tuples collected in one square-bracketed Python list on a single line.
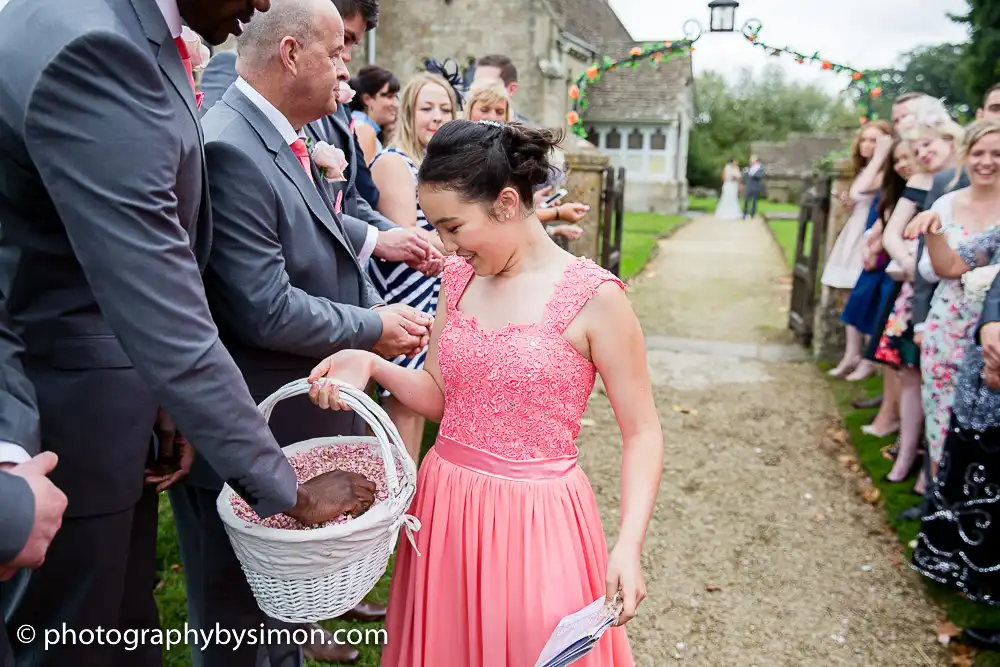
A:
[(286, 161), (169, 61)]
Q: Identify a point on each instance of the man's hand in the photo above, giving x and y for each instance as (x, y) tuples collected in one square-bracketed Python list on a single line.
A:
[(431, 265), (50, 503), (989, 338), (403, 244), (174, 455), (405, 330), (538, 199), (992, 378), (330, 495), (570, 232)]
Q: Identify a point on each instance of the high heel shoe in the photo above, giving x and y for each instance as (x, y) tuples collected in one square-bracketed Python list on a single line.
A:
[(914, 469), (843, 370), (869, 429)]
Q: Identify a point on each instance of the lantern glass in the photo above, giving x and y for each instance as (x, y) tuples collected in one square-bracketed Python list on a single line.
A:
[(723, 15)]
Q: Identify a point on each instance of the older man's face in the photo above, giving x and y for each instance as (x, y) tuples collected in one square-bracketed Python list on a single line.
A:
[(322, 68)]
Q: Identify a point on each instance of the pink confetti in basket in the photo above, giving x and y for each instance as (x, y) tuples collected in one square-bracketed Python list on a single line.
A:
[(358, 458)]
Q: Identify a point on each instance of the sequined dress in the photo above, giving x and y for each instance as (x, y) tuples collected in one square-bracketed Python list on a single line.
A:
[(959, 540), (511, 539)]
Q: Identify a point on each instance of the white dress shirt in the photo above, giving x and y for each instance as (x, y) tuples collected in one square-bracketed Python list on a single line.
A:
[(289, 134)]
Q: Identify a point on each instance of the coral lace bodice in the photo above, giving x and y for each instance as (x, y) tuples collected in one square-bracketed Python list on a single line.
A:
[(520, 391)]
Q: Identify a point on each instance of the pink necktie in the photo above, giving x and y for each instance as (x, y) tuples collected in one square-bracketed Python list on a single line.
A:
[(186, 59), (302, 153)]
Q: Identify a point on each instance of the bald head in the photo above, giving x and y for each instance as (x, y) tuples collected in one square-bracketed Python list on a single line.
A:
[(305, 21)]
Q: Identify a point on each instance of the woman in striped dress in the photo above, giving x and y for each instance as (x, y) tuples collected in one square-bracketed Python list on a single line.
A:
[(427, 103)]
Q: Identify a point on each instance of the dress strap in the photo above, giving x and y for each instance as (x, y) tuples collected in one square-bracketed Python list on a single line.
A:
[(580, 283), (455, 276)]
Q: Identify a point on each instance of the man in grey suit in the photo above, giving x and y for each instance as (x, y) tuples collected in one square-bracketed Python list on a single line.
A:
[(753, 187), (216, 79), (284, 281), (107, 219), (32, 506)]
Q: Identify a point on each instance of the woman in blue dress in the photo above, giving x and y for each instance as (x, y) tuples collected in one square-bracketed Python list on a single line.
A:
[(375, 107)]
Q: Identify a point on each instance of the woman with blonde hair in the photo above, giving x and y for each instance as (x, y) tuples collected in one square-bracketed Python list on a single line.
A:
[(845, 263), (934, 138), (427, 102), (488, 100)]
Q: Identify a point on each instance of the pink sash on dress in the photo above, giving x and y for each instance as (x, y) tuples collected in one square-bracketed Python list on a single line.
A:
[(478, 460)]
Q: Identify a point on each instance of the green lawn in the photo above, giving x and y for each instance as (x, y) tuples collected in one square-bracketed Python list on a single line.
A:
[(785, 233), (897, 497), (640, 233), (708, 204)]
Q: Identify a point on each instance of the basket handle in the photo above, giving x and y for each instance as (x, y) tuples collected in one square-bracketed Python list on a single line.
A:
[(385, 431)]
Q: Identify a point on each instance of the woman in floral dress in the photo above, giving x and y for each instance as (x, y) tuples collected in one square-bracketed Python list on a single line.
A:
[(963, 223), (934, 137)]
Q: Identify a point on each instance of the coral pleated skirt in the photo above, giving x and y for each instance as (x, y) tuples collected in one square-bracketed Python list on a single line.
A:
[(507, 549)]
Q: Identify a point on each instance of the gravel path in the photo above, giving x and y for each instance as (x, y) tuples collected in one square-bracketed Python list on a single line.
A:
[(761, 550)]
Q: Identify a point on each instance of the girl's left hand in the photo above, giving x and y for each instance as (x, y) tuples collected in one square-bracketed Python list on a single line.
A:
[(625, 577)]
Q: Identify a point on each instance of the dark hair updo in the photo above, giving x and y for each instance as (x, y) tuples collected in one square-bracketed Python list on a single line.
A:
[(370, 80), (478, 159)]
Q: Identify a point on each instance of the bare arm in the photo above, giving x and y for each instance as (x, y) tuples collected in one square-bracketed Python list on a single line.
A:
[(420, 390), (367, 141), (619, 353), (398, 192), (946, 262), (892, 237)]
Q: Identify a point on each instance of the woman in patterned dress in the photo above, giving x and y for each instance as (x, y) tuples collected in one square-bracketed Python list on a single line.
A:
[(959, 541), (428, 102), (934, 137), (962, 223)]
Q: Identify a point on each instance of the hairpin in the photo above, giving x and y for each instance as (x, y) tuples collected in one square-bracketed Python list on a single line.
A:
[(453, 77)]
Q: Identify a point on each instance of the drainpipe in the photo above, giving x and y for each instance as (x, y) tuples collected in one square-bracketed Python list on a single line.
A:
[(371, 47)]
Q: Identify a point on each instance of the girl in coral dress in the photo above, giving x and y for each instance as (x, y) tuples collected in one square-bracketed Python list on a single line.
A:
[(511, 538)]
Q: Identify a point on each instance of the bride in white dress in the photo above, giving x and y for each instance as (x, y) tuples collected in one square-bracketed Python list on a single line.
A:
[(729, 203)]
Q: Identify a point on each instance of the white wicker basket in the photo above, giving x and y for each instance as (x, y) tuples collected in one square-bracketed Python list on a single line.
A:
[(302, 576)]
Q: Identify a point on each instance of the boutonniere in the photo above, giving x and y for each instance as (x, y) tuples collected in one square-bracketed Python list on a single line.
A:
[(330, 160), (196, 49), (345, 94)]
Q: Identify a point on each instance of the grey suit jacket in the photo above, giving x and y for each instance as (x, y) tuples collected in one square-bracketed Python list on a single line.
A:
[(216, 78), (334, 129), (754, 182), (283, 279), (103, 197), (923, 291)]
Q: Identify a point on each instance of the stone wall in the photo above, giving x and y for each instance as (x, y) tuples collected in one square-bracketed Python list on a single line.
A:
[(790, 163), (585, 183), (410, 32)]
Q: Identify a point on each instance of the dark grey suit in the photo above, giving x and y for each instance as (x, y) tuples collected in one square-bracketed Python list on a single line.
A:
[(923, 291), (286, 288), (216, 78), (335, 130), (753, 188), (104, 201), (18, 426)]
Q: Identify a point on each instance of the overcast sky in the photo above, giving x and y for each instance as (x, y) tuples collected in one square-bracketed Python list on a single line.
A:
[(859, 33)]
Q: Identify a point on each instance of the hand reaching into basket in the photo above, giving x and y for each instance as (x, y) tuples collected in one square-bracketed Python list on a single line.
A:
[(405, 331), (332, 494)]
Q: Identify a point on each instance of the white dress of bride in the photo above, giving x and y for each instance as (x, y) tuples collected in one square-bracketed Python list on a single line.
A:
[(729, 203)]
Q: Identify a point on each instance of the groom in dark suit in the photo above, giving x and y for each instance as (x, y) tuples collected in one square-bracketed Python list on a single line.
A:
[(106, 227), (753, 187)]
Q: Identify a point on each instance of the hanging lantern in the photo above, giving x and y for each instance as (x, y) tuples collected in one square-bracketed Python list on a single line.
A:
[(723, 15)]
